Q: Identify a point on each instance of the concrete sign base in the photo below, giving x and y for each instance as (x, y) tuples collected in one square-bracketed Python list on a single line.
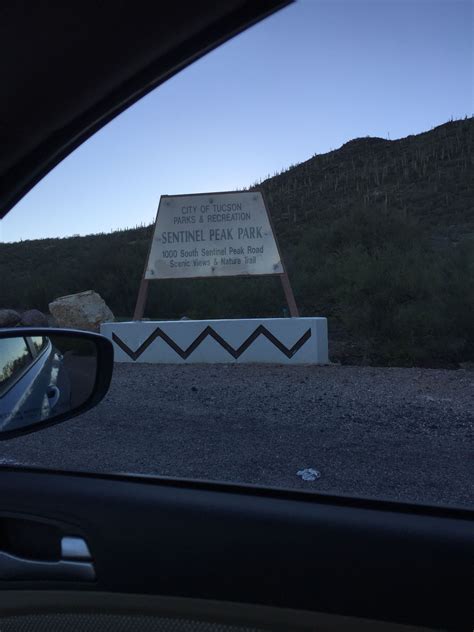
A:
[(249, 340)]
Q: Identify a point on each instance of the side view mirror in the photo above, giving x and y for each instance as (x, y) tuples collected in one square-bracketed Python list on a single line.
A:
[(50, 375)]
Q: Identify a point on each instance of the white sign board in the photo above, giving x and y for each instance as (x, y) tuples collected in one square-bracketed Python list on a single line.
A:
[(212, 235)]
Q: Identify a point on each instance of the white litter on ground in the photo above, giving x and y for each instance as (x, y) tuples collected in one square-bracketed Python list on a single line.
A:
[(309, 474), (6, 461)]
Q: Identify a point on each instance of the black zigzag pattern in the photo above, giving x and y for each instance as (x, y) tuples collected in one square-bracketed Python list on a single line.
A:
[(209, 331)]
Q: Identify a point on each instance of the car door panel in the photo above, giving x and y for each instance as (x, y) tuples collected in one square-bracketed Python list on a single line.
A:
[(371, 559), (118, 612)]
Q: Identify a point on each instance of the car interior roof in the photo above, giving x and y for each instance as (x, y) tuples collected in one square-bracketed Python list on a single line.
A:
[(69, 68)]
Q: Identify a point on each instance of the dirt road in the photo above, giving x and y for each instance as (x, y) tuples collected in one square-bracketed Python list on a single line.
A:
[(403, 434)]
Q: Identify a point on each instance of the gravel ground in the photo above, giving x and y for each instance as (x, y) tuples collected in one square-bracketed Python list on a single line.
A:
[(403, 434)]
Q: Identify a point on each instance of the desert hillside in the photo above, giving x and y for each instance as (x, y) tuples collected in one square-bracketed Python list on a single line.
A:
[(378, 236)]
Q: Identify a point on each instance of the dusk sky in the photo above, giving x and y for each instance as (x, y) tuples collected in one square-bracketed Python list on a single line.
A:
[(304, 81)]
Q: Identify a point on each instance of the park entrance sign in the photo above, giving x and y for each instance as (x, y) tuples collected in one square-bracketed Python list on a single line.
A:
[(213, 235), (210, 235)]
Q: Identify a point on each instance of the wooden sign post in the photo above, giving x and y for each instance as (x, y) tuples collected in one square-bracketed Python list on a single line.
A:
[(211, 235)]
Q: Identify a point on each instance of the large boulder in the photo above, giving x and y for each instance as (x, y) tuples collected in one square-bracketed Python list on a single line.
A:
[(85, 310), (9, 318), (34, 318)]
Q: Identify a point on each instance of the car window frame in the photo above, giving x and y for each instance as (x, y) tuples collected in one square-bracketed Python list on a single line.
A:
[(35, 356), (36, 353), (24, 369)]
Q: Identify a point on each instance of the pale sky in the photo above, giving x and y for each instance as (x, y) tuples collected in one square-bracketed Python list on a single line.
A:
[(304, 81)]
